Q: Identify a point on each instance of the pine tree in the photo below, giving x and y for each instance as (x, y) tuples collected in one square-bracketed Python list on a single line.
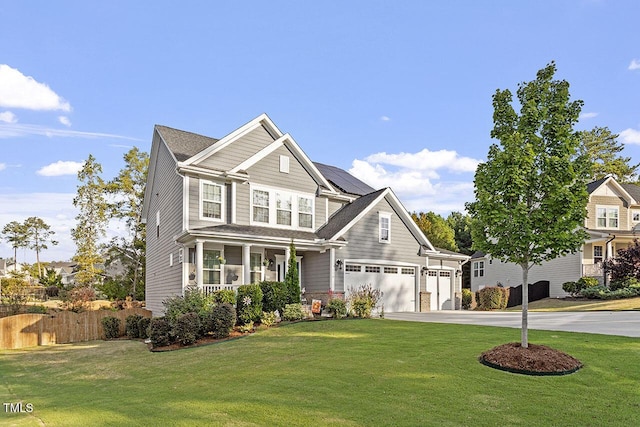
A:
[(291, 279), (40, 235), (17, 235)]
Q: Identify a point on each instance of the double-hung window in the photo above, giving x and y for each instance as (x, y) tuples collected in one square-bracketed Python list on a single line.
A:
[(597, 254), (211, 200), (283, 209), (261, 206), (211, 267), (255, 263), (305, 212), (607, 216), (478, 269), (384, 224)]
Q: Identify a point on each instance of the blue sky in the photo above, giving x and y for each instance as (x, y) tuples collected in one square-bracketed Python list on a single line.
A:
[(397, 92)]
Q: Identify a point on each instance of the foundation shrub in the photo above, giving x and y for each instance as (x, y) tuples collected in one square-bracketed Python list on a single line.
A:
[(219, 320), (143, 327), (493, 298), (268, 319), (111, 327), (224, 296), (160, 332), (274, 296), (467, 298), (249, 303), (293, 312), (187, 328), (131, 326), (337, 307), (193, 301), (363, 300)]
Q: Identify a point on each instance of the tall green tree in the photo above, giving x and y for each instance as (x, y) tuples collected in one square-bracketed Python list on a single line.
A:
[(16, 234), (127, 190), (437, 230), (603, 149), (531, 192), (91, 222), (461, 225), (292, 278), (40, 236)]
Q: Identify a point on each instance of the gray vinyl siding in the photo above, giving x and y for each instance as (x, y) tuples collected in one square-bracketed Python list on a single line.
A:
[(194, 204), (334, 206), (267, 172), (315, 271), (243, 205), (363, 242), (163, 280), (321, 212), (238, 151)]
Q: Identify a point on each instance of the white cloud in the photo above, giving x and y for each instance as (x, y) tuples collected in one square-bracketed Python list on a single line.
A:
[(8, 117), (60, 168), (384, 119), (64, 120), (630, 136), (20, 91), (3, 166), (635, 64), (588, 115), (17, 130), (422, 180)]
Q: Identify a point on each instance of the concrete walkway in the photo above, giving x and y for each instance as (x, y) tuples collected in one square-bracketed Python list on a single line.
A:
[(624, 323)]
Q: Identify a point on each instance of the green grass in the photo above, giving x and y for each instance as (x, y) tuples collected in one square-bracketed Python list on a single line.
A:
[(556, 304), (342, 373)]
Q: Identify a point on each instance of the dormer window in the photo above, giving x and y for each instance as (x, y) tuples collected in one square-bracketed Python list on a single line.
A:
[(211, 201)]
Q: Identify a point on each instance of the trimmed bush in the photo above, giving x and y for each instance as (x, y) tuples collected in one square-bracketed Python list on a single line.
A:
[(467, 298), (143, 327), (111, 327), (219, 320), (36, 309), (268, 319), (604, 293), (587, 282), (160, 332), (570, 288), (224, 296), (293, 312), (131, 328), (274, 296), (193, 301), (337, 307), (363, 300), (52, 291), (187, 328), (493, 298), (249, 303)]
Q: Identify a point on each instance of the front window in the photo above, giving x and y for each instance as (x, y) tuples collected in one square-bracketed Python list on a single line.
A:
[(478, 269), (211, 200), (597, 254), (211, 267), (607, 217), (385, 228), (305, 212), (283, 209), (261, 206)]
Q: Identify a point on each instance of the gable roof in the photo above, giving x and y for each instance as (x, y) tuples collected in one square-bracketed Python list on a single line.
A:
[(183, 144), (622, 188), (633, 190), (343, 180)]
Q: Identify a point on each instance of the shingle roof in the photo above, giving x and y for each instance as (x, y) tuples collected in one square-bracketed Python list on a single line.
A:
[(593, 186), (344, 216), (342, 179), (252, 230), (182, 144), (633, 190)]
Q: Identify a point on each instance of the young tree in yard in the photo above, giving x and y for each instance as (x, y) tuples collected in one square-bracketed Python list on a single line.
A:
[(17, 235), (531, 192), (292, 279), (602, 148), (91, 222), (128, 195), (437, 230), (40, 235)]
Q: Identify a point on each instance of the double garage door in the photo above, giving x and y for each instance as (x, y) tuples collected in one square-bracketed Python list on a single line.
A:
[(397, 283)]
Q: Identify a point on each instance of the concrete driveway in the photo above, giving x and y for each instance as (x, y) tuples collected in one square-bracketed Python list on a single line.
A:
[(624, 323)]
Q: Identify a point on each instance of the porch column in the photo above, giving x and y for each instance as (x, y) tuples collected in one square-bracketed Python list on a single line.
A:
[(199, 261), (246, 264), (287, 254), (332, 269)]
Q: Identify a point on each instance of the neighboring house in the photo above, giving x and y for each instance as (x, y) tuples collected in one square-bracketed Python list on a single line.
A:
[(222, 213), (66, 269), (8, 266), (613, 222)]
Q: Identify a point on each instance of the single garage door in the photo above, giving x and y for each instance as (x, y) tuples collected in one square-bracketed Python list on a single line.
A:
[(439, 284), (397, 283)]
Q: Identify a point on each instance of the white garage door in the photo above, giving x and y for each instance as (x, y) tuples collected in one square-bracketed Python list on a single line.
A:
[(439, 284), (397, 283)]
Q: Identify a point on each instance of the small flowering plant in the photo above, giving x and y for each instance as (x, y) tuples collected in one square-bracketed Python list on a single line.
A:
[(221, 260)]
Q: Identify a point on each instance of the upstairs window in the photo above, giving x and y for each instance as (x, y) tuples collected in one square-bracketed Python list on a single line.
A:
[(211, 196), (305, 212), (607, 216), (283, 209), (478, 269), (261, 206), (384, 232)]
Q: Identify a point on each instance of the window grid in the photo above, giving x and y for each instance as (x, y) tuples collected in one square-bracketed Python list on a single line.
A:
[(371, 269), (261, 206), (406, 270), (351, 267), (391, 270), (211, 201)]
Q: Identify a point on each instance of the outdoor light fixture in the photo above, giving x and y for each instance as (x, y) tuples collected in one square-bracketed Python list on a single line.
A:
[(339, 264)]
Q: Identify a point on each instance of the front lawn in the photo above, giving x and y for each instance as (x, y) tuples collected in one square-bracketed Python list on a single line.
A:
[(351, 372)]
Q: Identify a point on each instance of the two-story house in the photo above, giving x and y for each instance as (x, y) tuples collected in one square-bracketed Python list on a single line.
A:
[(222, 212), (613, 222)]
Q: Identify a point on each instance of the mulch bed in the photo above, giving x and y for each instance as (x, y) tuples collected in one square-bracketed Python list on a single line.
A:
[(208, 340), (534, 360)]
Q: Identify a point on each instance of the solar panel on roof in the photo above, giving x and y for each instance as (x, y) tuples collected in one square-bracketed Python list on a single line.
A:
[(344, 180)]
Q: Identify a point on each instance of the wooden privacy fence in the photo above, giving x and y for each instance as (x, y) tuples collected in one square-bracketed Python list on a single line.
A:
[(30, 330)]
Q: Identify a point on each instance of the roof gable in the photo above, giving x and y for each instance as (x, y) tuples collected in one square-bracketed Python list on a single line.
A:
[(184, 145), (607, 185)]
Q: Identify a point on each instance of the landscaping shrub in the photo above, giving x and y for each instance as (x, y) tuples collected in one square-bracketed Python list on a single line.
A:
[(249, 303), (587, 282), (52, 291), (570, 288), (131, 326), (247, 327), (293, 312), (224, 295), (363, 300), (626, 264), (493, 298), (36, 309), (187, 328), (14, 293), (160, 332), (337, 307), (193, 301), (79, 298), (219, 320), (467, 298), (604, 293), (268, 319), (111, 327), (274, 296), (143, 327)]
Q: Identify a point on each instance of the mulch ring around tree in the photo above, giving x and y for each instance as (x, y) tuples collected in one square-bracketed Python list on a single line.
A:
[(534, 360)]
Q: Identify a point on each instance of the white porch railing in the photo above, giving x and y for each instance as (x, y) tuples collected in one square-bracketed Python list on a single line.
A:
[(592, 270), (209, 289)]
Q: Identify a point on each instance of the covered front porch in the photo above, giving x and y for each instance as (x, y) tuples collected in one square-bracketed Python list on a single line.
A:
[(598, 249)]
